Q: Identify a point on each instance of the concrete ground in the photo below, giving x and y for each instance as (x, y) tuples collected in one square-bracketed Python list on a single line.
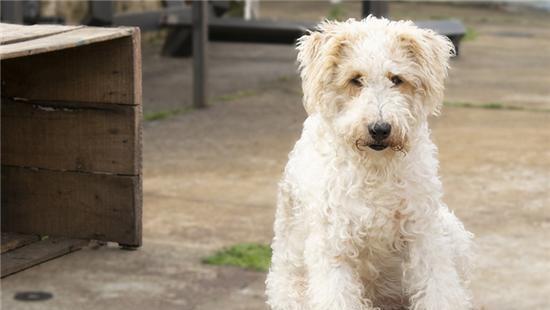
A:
[(210, 176)]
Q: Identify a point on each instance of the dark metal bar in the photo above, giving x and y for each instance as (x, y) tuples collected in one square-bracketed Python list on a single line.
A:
[(376, 8), (256, 31), (240, 30), (200, 48), (31, 11), (265, 31), (178, 43), (100, 13), (152, 20), (445, 27)]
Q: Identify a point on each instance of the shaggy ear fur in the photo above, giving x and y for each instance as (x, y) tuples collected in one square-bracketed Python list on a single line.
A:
[(317, 56), (431, 52)]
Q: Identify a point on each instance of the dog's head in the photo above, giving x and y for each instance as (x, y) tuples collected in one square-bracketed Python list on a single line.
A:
[(373, 80)]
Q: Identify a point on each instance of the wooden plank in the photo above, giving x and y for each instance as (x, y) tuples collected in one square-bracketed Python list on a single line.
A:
[(77, 205), (136, 70), (38, 252), (103, 72), (12, 33), (137, 98), (64, 40), (71, 136), (11, 241)]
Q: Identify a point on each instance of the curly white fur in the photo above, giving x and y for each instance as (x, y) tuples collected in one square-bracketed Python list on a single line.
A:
[(357, 228)]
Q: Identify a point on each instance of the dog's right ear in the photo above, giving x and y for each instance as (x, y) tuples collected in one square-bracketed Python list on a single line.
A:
[(309, 47), (315, 57), (309, 53)]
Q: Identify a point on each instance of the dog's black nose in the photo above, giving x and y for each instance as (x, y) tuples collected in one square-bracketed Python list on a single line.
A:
[(380, 130)]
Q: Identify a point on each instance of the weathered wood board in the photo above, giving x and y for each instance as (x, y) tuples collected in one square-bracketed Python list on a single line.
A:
[(79, 205), (38, 252), (12, 241), (101, 73), (63, 40), (71, 136), (71, 140), (12, 33)]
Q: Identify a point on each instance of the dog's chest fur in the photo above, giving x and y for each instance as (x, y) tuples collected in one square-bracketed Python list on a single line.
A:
[(362, 199), (369, 211), (360, 205)]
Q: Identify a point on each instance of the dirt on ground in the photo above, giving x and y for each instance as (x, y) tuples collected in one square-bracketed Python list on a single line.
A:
[(210, 175)]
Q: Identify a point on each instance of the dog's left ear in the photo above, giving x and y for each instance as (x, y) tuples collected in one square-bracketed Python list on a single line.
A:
[(431, 52)]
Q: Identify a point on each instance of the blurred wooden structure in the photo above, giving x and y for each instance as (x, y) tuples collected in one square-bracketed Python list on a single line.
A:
[(185, 19), (71, 140)]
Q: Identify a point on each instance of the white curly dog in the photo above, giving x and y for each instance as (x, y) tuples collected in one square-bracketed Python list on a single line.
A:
[(360, 222)]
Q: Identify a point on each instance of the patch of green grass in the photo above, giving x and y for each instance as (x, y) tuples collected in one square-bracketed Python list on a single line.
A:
[(471, 34), (439, 17), (236, 95), (491, 106), (160, 115), (245, 255), (496, 106), (337, 12), (283, 78)]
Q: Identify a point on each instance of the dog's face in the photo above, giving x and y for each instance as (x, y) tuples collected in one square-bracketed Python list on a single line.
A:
[(374, 80)]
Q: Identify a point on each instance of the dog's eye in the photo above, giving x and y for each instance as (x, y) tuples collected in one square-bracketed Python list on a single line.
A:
[(396, 80), (356, 81)]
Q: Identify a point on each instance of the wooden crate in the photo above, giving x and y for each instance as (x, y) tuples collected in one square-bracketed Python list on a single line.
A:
[(70, 137)]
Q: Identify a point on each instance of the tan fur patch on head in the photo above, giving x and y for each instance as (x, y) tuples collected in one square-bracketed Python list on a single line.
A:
[(431, 52), (319, 53)]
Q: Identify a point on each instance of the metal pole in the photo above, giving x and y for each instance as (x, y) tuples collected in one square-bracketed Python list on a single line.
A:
[(200, 49), (101, 12), (376, 8)]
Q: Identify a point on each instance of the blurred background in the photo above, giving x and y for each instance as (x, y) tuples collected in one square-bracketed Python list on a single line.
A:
[(210, 174)]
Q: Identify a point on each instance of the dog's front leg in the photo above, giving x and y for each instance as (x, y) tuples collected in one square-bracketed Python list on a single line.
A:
[(332, 281), (431, 278), (285, 280)]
